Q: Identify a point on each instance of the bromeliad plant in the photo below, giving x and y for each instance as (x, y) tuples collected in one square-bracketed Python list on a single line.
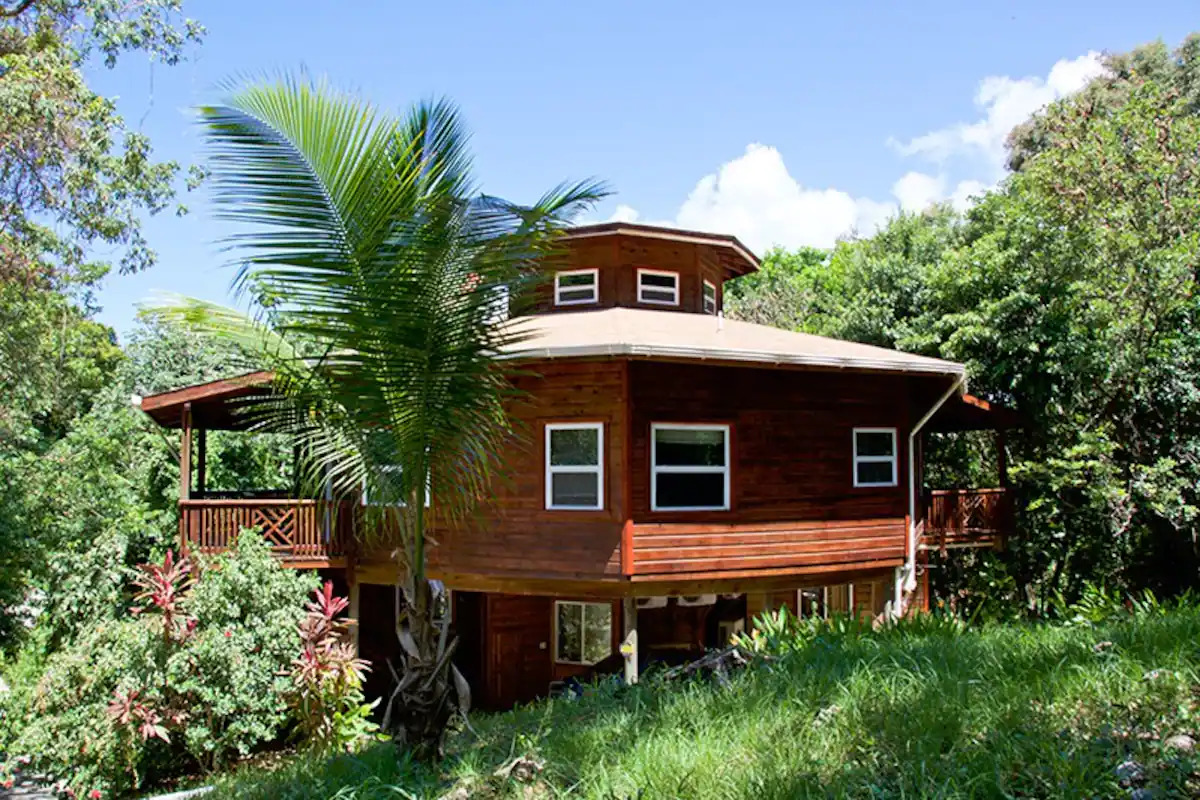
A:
[(327, 679), (164, 587), (373, 271)]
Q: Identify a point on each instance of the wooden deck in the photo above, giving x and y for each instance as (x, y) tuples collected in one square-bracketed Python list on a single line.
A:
[(957, 518), (304, 533)]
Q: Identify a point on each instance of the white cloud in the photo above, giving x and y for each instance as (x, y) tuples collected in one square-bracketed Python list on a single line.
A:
[(1004, 103), (917, 191), (755, 196)]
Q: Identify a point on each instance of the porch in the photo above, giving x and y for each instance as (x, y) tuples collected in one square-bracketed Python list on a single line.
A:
[(304, 532), (981, 517)]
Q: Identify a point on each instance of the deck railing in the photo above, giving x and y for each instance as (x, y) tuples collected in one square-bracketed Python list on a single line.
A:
[(967, 517), (299, 530)]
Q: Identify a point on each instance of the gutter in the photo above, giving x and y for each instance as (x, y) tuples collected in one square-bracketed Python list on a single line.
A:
[(908, 581)]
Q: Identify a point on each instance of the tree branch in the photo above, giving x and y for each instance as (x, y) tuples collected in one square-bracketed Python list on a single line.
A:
[(17, 10)]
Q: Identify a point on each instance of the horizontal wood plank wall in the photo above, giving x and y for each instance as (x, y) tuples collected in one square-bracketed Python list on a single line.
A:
[(793, 500), (514, 535), (618, 259)]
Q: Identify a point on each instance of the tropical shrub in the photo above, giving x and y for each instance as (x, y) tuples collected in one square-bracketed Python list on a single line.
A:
[(327, 679), (195, 675)]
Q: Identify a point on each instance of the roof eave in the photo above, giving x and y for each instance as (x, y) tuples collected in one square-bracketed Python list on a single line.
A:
[(632, 350)]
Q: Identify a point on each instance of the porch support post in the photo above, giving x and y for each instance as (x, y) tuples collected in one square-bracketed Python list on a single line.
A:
[(201, 460), (185, 454), (629, 640), (1002, 457), (354, 598)]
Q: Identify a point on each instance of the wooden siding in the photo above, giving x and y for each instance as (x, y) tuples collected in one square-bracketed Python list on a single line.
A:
[(679, 549), (514, 535), (793, 502), (618, 259)]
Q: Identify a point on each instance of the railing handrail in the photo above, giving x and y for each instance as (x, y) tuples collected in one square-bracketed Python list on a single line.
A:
[(980, 490), (248, 501)]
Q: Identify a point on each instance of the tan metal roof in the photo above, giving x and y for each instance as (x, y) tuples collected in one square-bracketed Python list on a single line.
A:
[(635, 332)]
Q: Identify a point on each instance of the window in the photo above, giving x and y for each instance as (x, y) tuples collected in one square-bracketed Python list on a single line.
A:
[(812, 603), (575, 465), (655, 286), (689, 466), (389, 483), (582, 632), (710, 297), (577, 286), (874, 456)]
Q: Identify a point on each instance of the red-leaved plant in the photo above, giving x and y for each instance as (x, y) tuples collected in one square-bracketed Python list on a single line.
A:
[(163, 587), (327, 678)]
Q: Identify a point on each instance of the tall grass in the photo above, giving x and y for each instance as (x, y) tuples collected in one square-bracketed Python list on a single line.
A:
[(928, 708)]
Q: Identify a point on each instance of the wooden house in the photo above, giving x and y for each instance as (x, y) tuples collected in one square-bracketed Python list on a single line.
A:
[(682, 473)]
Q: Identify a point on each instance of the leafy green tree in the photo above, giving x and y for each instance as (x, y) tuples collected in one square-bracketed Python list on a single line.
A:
[(1176, 71), (370, 230)]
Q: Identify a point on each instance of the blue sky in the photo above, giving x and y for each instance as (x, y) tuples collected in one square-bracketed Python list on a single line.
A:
[(785, 123)]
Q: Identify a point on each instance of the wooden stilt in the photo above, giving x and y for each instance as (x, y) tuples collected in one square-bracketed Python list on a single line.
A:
[(629, 641)]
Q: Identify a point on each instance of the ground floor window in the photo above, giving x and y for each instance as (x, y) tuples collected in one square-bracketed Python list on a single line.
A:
[(812, 603), (583, 632)]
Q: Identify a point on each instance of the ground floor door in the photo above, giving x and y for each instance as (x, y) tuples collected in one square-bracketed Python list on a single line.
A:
[(517, 649)]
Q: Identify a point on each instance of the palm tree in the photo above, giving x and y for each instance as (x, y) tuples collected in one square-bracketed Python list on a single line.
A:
[(372, 268)]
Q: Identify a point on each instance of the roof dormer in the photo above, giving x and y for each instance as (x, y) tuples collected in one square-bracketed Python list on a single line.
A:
[(642, 266)]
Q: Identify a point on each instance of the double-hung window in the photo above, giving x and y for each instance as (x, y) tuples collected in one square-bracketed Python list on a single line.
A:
[(710, 297), (689, 467), (875, 457), (582, 632), (658, 287), (577, 286), (575, 465)]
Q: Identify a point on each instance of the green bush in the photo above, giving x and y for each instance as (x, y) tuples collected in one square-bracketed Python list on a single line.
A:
[(196, 679)]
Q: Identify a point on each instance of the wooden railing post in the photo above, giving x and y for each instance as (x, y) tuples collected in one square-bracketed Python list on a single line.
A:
[(185, 453)]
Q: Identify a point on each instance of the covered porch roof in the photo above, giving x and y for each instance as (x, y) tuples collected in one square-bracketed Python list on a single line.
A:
[(213, 404), (966, 412)]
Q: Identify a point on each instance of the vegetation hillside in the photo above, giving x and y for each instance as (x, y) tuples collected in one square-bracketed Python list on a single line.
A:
[(1102, 705)]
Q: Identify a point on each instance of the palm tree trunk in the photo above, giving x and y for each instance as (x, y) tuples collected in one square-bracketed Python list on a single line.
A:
[(429, 691)]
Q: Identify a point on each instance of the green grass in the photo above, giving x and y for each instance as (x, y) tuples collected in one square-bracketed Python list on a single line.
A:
[(927, 709)]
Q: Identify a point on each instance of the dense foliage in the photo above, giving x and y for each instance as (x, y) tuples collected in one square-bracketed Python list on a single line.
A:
[(196, 677), (929, 707), (1070, 293)]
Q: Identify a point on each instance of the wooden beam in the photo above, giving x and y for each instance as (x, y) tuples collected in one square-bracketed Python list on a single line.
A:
[(1002, 457), (185, 454), (353, 613), (629, 639), (201, 460)]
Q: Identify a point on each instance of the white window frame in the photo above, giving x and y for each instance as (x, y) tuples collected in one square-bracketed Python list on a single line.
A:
[(612, 620), (655, 469), (893, 459), (660, 273), (366, 501), (597, 470), (559, 288), (704, 287)]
